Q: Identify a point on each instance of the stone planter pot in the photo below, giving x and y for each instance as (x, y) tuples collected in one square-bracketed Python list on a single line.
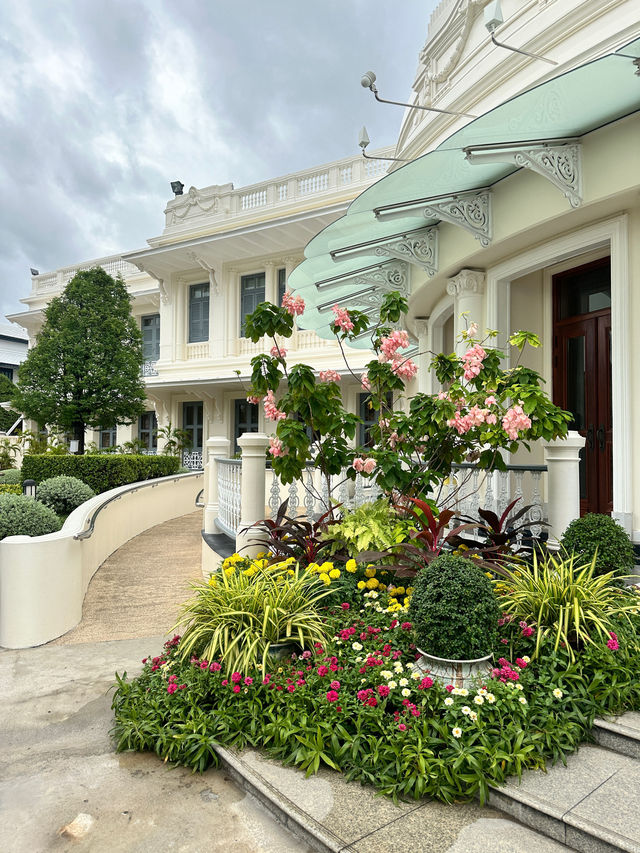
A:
[(280, 651), (460, 673)]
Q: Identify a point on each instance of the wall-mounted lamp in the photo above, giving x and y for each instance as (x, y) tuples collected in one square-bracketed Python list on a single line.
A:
[(29, 488), (34, 271), (493, 18), (368, 80), (363, 141), (74, 445), (177, 187)]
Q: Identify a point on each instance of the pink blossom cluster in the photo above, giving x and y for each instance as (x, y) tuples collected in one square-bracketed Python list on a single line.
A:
[(342, 319), (527, 630), (272, 412), (474, 417), (505, 672), (276, 447), (612, 642), (172, 686), (391, 344), (404, 368), (278, 351), (472, 361), (366, 465), (515, 420), (252, 398), (365, 382), (367, 697), (293, 304), (329, 376)]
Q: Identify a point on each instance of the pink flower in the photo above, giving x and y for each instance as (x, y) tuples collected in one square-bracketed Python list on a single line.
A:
[(171, 688), (214, 667), (248, 680), (322, 671), (402, 727), (182, 687), (389, 346), (342, 319), (406, 626), (236, 677), (293, 304), (383, 691), (472, 331), (369, 465), (278, 352), (271, 411), (448, 687), (345, 605), (472, 361), (405, 369), (426, 683), (276, 447), (224, 682), (490, 400), (612, 643), (253, 399), (236, 688), (358, 464), (521, 663), (515, 421), (332, 696), (335, 685), (366, 384), (329, 376), (291, 688)]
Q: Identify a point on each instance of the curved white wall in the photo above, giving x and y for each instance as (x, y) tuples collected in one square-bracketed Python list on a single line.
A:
[(43, 580)]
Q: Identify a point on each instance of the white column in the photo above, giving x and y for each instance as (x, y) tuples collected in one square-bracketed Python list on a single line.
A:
[(467, 289), (218, 447), (218, 289), (425, 379), (252, 500), (270, 283), (181, 320), (232, 311), (562, 458)]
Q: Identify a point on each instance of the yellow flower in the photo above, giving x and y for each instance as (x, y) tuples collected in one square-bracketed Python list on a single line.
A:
[(312, 568), (372, 583), (409, 590), (400, 590), (362, 585), (370, 571), (406, 602), (324, 577), (334, 573), (326, 567), (351, 566)]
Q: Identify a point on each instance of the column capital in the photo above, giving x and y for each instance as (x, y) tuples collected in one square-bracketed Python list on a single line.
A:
[(421, 325), (466, 281)]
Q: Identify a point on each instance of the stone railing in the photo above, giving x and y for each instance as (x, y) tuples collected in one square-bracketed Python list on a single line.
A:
[(58, 280), (224, 202), (192, 459)]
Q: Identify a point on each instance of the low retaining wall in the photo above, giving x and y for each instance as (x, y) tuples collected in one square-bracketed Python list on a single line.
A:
[(43, 579)]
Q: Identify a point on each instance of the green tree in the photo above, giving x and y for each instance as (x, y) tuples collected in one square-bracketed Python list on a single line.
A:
[(84, 370)]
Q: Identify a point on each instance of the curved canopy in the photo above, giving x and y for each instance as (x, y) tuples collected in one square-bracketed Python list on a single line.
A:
[(391, 223)]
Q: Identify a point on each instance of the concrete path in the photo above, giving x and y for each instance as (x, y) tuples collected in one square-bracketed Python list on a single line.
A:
[(138, 590)]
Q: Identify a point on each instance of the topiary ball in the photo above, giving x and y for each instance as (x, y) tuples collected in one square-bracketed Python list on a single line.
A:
[(11, 475), (454, 610), (594, 531), (63, 494), (23, 516)]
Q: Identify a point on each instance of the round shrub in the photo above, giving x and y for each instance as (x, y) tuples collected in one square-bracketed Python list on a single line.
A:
[(454, 610), (593, 531), (63, 494), (23, 516), (11, 475)]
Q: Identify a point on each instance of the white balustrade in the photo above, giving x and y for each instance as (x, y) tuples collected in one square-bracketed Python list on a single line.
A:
[(197, 351), (313, 184), (192, 459), (229, 492), (252, 200)]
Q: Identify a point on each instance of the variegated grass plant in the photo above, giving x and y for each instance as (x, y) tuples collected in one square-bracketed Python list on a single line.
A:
[(236, 617), (566, 601)]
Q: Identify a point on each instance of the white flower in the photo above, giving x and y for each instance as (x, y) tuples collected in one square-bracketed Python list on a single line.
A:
[(416, 675), (357, 647), (409, 665), (359, 658), (457, 732), (466, 710), (526, 659), (456, 691), (473, 716), (392, 685), (519, 687), (406, 692), (558, 693), (490, 698), (479, 700), (482, 691), (464, 691), (448, 701), (510, 684), (386, 674), (522, 700), (398, 666), (403, 682)]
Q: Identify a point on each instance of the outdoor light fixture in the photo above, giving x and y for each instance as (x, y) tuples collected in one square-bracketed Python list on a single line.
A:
[(34, 271), (363, 141), (29, 488), (493, 18), (368, 81), (74, 445), (177, 187)]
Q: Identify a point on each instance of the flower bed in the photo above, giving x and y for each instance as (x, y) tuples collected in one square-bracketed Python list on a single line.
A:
[(362, 705)]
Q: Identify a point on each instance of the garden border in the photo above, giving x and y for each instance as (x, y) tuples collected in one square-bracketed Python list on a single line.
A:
[(43, 579)]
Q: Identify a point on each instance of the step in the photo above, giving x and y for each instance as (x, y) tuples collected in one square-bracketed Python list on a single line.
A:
[(592, 804), (621, 734)]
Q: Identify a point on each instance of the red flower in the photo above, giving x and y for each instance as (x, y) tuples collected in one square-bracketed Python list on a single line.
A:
[(171, 688), (236, 677), (406, 626), (402, 727), (248, 680), (215, 667), (335, 685), (322, 671), (448, 687), (426, 683), (345, 605), (332, 696), (383, 691), (236, 688)]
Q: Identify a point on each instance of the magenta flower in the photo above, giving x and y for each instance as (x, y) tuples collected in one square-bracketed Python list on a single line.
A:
[(613, 642), (171, 688), (402, 727), (236, 677), (215, 667), (248, 680), (335, 685), (332, 696), (383, 691)]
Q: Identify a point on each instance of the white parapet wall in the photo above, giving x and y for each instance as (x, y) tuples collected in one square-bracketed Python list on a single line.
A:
[(43, 579)]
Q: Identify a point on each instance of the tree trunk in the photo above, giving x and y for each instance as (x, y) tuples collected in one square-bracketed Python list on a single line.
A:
[(78, 435)]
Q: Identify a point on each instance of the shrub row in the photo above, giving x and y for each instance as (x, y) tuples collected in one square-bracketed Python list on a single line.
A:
[(22, 516), (99, 471), (10, 488)]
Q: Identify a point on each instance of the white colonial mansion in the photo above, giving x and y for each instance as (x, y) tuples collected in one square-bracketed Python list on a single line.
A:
[(515, 197)]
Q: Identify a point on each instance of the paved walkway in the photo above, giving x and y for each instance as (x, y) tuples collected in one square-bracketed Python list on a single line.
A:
[(138, 590)]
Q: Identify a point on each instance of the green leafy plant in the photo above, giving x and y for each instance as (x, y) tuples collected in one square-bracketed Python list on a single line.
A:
[(175, 440), (101, 471), (238, 615), (64, 494), (10, 488), (11, 475), (600, 536), (299, 538), (23, 516), (454, 609), (374, 525), (566, 600)]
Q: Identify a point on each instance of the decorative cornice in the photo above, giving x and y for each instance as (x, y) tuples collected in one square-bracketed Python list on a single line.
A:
[(561, 164), (213, 281), (421, 325), (420, 248), (466, 281), (471, 211), (192, 199)]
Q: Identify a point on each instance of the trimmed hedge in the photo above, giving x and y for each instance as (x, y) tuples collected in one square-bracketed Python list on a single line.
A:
[(10, 489), (64, 494), (11, 475), (602, 535), (22, 516), (99, 471)]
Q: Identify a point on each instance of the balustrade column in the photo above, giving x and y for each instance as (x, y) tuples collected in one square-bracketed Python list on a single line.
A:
[(562, 458), (217, 448), (467, 289), (253, 446), (425, 379)]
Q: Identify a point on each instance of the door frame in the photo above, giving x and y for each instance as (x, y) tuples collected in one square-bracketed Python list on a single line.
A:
[(611, 236)]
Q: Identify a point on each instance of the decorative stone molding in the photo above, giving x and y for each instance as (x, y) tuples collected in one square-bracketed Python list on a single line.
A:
[(471, 211), (193, 199), (559, 163), (465, 282), (164, 294), (375, 283), (213, 281), (419, 247), (421, 325)]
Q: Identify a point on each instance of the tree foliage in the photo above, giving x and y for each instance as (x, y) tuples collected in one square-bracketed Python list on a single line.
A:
[(85, 367)]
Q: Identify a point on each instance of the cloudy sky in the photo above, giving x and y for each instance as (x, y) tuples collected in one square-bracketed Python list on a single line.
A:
[(104, 102)]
